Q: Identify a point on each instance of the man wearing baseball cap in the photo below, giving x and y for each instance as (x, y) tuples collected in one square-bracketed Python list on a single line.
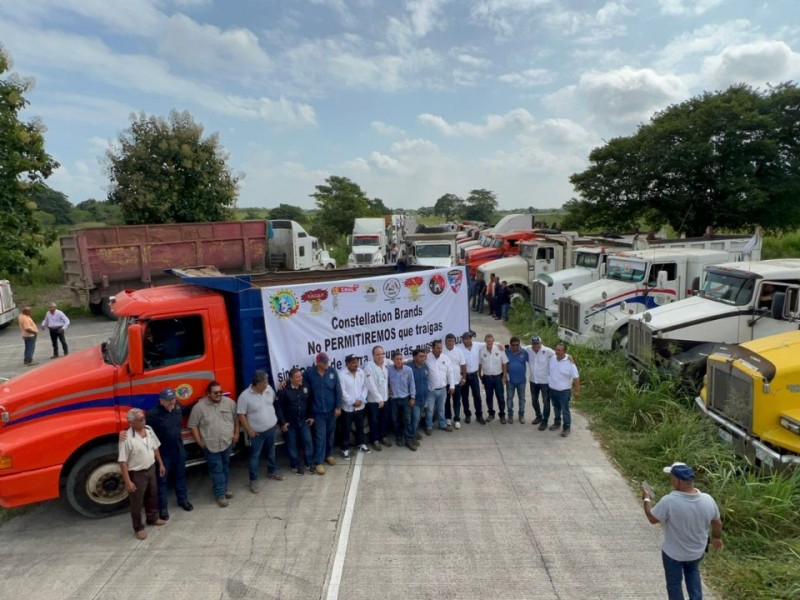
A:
[(326, 405), (686, 513)]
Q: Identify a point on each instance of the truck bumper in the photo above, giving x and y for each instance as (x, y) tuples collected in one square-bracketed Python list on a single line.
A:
[(27, 487), (747, 445), (584, 339)]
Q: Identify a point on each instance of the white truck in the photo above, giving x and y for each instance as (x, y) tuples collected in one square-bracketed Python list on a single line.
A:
[(738, 303), (431, 249), (368, 242), (291, 248), (8, 309), (597, 314)]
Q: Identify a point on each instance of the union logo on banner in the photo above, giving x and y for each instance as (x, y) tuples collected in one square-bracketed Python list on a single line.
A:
[(455, 278), (284, 304)]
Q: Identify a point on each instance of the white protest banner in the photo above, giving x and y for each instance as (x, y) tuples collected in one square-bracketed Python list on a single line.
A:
[(401, 312)]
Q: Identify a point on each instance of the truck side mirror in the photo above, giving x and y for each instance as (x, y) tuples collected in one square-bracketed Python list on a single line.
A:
[(661, 279), (778, 302), (135, 349)]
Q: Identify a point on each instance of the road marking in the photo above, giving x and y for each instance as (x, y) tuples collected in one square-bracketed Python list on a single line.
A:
[(344, 534)]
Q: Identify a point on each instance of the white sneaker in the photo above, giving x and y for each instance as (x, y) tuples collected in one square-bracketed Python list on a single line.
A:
[(364, 448), (345, 453), (449, 422), (458, 424)]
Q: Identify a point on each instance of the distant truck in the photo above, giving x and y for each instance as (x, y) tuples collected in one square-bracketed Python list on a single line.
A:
[(368, 242), (751, 393), (503, 244), (8, 309), (504, 225), (431, 249), (737, 303), (100, 262), (597, 314)]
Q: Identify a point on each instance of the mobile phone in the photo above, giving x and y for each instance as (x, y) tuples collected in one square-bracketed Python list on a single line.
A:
[(646, 487)]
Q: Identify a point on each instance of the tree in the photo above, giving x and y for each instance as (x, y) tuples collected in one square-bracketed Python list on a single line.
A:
[(24, 165), (99, 211), (480, 206), (289, 212), (377, 208), (449, 206), (53, 203), (340, 202), (165, 171), (729, 159)]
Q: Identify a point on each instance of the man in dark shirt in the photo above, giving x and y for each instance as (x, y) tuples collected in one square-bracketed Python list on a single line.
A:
[(294, 418), (326, 406)]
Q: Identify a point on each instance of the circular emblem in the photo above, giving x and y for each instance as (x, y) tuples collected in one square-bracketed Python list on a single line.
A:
[(284, 303), (391, 288), (184, 391), (437, 284)]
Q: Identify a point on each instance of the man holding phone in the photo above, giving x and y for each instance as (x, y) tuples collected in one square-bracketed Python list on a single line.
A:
[(686, 513)]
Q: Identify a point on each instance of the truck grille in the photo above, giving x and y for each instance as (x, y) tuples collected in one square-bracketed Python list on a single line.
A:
[(640, 341), (364, 258), (538, 290), (731, 394), (569, 314)]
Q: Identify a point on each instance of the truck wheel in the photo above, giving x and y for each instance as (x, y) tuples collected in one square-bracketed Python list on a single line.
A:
[(520, 295), (620, 339), (107, 310), (329, 267), (4, 325), (95, 487), (96, 308)]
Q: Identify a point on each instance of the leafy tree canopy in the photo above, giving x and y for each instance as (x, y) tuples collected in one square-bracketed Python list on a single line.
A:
[(101, 211), (340, 202), (449, 206), (480, 205), (54, 204), (288, 211), (728, 159), (24, 165), (165, 171)]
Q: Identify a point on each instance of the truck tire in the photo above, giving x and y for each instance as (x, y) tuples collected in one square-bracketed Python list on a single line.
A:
[(107, 310), (4, 325), (519, 294), (329, 267), (95, 487), (620, 339), (96, 308)]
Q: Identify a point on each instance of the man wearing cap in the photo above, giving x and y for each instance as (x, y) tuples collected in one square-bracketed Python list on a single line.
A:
[(295, 420), (326, 406), (471, 352), (563, 378), (539, 357), (452, 407), (402, 397), (257, 412), (492, 370), (354, 393), (686, 513), (377, 377)]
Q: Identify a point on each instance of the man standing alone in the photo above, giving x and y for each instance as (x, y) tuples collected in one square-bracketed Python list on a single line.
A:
[(686, 514), (29, 333), (56, 322), (256, 410)]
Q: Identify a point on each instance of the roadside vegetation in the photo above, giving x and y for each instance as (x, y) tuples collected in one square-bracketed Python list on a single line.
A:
[(644, 428)]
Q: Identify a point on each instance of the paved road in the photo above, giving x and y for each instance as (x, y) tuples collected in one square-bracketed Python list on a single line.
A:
[(495, 511)]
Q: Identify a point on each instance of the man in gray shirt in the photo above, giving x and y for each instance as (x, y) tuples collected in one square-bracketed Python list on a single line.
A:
[(256, 410), (686, 514)]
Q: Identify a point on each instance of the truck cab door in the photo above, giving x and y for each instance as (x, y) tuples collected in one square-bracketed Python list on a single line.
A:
[(663, 284), (303, 252), (776, 310), (545, 260)]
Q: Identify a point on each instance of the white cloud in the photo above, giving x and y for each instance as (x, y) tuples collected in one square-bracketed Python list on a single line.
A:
[(755, 63), (385, 129), (416, 147), (424, 15), (72, 108), (518, 119), (687, 7), (384, 162), (192, 3), (704, 40), (473, 61), (528, 78)]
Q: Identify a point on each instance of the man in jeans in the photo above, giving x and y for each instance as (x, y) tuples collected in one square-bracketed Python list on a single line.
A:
[(517, 377), (686, 513), (471, 352), (29, 333), (326, 406), (539, 357), (215, 428), (402, 397), (294, 418), (257, 416), (378, 410), (419, 368), (452, 407), (563, 378), (440, 384)]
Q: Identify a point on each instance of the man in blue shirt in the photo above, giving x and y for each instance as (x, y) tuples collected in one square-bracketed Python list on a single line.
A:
[(326, 406), (402, 397), (517, 376), (419, 369)]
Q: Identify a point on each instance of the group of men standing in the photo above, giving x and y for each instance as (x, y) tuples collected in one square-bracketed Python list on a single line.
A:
[(494, 292), (55, 322)]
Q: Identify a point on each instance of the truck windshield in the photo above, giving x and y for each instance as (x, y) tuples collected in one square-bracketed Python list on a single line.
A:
[(366, 240), (527, 251), (729, 288), (433, 251), (588, 260), (118, 344), (626, 270), (498, 243)]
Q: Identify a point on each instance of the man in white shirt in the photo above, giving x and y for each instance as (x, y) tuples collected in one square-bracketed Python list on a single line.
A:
[(452, 407), (471, 352), (354, 390), (138, 454), (377, 378), (56, 322), (441, 383), (539, 357), (493, 369), (563, 378)]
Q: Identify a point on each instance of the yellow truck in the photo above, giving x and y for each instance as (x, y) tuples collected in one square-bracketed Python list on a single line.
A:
[(752, 392)]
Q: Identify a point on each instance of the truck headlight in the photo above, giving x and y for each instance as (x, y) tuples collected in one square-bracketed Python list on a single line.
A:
[(6, 462), (791, 425), (5, 416)]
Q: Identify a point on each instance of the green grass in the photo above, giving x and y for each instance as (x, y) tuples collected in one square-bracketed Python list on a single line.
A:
[(783, 246), (644, 428)]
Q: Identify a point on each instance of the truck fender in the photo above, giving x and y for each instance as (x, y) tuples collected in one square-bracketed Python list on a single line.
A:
[(93, 485)]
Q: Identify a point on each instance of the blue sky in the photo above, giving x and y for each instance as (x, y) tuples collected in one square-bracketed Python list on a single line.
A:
[(410, 99)]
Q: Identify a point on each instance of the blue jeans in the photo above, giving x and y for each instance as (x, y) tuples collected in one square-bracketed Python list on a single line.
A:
[(544, 389), (472, 384), (411, 416), (675, 571), (560, 400), (175, 466), (30, 346), (348, 418), (435, 404), (303, 432), (219, 468), (493, 386), (257, 444), (504, 311), (452, 405), (519, 388), (324, 429), (479, 299), (378, 419)]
